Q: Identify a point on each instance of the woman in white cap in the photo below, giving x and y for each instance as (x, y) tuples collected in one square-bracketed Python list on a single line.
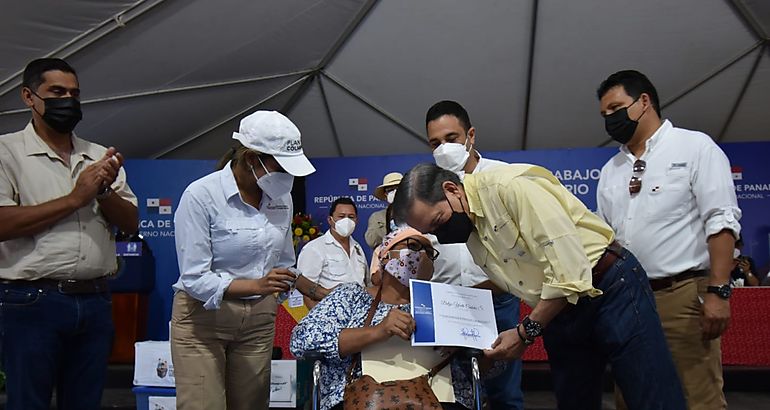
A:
[(234, 245)]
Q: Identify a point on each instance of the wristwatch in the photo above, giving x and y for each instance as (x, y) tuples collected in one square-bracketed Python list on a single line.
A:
[(532, 330), (104, 192), (723, 291)]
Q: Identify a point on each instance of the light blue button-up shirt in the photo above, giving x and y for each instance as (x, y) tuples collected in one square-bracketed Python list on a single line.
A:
[(219, 237)]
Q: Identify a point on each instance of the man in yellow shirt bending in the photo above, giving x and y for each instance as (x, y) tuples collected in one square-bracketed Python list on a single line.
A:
[(590, 297)]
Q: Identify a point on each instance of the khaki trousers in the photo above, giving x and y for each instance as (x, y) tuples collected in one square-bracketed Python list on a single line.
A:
[(698, 362), (222, 357)]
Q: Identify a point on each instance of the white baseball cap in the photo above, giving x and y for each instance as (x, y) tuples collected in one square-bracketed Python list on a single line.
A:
[(270, 132)]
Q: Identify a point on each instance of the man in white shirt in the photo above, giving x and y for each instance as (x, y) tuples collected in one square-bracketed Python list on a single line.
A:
[(335, 257), (669, 196), (452, 138)]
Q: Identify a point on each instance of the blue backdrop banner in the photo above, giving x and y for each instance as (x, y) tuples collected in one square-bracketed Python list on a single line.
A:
[(578, 170), (158, 185)]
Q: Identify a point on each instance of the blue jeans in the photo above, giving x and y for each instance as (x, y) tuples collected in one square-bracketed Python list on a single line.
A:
[(622, 328), (504, 390), (49, 340)]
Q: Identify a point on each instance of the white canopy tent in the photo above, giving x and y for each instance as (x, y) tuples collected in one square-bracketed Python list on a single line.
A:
[(172, 78)]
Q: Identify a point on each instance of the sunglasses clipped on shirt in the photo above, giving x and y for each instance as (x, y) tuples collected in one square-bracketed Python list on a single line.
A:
[(635, 184)]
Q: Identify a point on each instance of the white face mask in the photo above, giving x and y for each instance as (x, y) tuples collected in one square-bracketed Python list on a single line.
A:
[(390, 196), (345, 227), (736, 253), (452, 156), (274, 184)]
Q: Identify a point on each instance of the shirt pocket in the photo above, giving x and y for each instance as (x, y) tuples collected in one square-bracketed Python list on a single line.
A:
[(514, 248), (337, 266), (668, 196), (241, 236), (678, 170), (609, 196)]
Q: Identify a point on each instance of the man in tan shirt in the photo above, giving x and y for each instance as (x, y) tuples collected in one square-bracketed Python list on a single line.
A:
[(60, 199)]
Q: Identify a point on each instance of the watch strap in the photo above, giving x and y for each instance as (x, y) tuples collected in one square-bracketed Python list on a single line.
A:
[(104, 192), (523, 337)]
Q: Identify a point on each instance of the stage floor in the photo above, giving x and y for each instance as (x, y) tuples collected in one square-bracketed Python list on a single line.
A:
[(118, 394)]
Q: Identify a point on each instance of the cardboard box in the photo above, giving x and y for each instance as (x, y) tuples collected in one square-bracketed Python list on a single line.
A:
[(153, 365)]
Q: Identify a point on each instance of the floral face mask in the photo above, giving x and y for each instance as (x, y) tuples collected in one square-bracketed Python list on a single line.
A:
[(405, 267)]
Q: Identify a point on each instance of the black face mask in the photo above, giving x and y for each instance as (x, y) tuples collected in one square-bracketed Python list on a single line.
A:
[(457, 229), (61, 114), (619, 126)]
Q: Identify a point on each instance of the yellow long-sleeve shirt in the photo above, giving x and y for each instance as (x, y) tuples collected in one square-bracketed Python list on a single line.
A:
[(533, 237)]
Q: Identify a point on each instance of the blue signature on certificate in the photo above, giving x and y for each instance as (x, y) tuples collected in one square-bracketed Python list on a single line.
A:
[(470, 333)]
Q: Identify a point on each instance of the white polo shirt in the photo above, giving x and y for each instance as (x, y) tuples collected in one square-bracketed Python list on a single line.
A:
[(687, 195), (324, 261), (455, 264)]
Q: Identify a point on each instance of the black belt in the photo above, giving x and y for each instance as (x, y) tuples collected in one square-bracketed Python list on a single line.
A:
[(67, 286), (665, 283), (608, 258)]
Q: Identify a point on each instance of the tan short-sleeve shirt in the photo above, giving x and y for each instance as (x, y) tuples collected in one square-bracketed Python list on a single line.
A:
[(79, 246)]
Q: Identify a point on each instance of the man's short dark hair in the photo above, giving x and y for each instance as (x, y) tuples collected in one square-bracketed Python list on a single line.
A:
[(33, 73), (342, 201), (634, 82), (452, 108), (421, 183)]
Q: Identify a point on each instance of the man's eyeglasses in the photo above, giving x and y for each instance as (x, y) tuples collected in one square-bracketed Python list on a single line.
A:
[(417, 246), (635, 185)]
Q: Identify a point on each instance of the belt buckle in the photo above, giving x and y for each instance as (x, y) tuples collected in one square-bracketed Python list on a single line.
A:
[(62, 285)]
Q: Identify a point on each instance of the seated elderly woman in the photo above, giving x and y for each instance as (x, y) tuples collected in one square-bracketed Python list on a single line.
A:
[(334, 327)]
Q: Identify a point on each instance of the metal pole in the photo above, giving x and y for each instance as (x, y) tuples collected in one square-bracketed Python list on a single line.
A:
[(89, 37), (217, 125), (176, 89), (530, 67), (373, 106)]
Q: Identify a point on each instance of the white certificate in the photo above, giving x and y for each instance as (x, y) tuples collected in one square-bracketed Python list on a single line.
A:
[(447, 315)]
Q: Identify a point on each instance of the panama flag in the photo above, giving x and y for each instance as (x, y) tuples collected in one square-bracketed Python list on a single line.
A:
[(737, 173), (161, 206), (360, 184)]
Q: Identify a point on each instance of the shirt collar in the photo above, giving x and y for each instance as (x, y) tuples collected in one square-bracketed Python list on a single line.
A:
[(329, 238), (652, 141), (226, 177), (472, 195), (34, 145)]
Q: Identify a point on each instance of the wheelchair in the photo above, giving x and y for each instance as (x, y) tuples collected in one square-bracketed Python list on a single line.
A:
[(315, 358)]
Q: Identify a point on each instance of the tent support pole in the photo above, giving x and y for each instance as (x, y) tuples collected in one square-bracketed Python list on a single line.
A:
[(86, 38), (738, 100), (175, 90), (748, 19), (373, 106), (530, 66), (331, 118), (186, 141), (713, 74), (345, 36), (705, 79)]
